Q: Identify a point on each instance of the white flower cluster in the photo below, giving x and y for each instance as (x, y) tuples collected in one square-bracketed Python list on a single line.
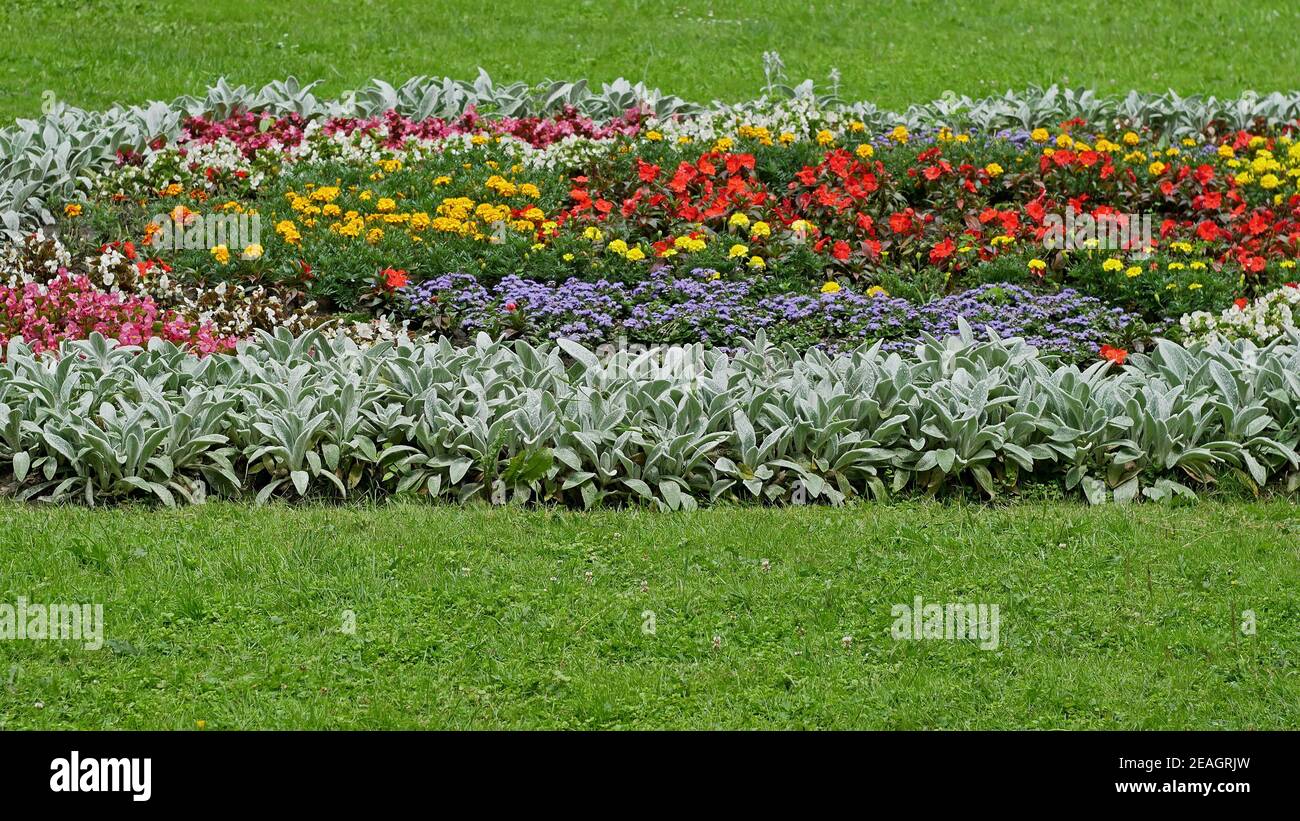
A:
[(37, 258), (1261, 321), (800, 116)]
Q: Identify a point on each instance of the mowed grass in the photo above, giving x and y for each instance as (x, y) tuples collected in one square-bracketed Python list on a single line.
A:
[(488, 618), (894, 52)]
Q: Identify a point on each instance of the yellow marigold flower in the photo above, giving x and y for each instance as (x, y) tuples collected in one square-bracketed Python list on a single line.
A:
[(535, 214), (478, 139), (1064, 141), (857, 126), (618, 246), (386, 205), (1269, 181), (221, 254), (1037, 265), (635, 254), (1133, 271), (757, 262), (331, 210), (1197, 266), (801, 227), (253, 251), (442, 180), (1176, 266), (1002, 239), (72, 209), (1112, 265), (374, 236), (876, 290), (1039, 135), (760, 229), (993, 169), (567, 257), (1226, 150), (899, 134), (831, 287), (530, 190), (1131, 138), (786, 138), (865, 151), (593, 233), (1195, 286), (723, 144), (365, 196), (653, 136), (1189, 142), (1287, 263), (825, 137), (738, 220), (1157, 168), (737, 250), (326, 193)]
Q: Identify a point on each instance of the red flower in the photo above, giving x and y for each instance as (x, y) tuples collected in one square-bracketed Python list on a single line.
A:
[(840, 250), (1207, 231), (395, 278), (646, 171), (511, 307), (942, 251), (901, 223), (1112, 354), (1240, 303)]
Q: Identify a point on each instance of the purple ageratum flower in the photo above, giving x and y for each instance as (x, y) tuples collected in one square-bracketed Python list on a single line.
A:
[(668, 307)]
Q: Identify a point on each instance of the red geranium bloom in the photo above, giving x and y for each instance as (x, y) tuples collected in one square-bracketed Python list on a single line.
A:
[(1113, 354), (840, 250), (901, 223), (1240, 303), (395, 278), (942, 251), (646, 171)]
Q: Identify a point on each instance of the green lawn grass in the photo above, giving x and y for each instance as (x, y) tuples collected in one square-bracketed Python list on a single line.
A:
[(232, 615), (894, 52)]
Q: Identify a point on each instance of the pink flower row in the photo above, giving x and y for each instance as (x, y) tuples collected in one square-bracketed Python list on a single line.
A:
[(251, 134), (70, 307)]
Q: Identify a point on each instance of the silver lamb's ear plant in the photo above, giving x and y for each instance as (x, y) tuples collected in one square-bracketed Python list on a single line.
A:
[(290, 417)]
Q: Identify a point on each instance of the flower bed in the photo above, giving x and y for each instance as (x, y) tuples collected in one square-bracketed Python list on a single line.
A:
[(437, 219), (825, 225)]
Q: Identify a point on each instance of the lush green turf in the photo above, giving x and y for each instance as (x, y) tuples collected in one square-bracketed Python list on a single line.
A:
[(95, 52), (492, 618)]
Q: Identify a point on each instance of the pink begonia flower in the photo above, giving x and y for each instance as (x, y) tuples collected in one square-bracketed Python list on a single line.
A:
[(71, 307)]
